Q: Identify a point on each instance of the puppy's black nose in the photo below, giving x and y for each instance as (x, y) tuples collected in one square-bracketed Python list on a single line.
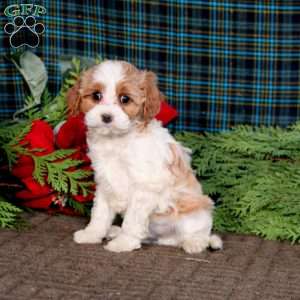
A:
[(106, 118)]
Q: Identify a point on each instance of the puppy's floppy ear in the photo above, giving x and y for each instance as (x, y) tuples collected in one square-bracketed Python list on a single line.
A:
[(153, 96), (73, 98)]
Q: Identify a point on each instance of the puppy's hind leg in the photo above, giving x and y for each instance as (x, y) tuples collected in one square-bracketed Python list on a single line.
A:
[(195, 232)]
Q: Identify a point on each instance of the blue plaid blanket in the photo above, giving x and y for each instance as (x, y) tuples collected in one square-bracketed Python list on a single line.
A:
[(220, 63)]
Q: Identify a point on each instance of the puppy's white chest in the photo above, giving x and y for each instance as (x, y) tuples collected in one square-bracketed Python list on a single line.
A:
[(112, 170), (112, 176)]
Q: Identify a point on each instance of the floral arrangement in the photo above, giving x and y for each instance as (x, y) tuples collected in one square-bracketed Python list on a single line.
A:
[(45, 150)]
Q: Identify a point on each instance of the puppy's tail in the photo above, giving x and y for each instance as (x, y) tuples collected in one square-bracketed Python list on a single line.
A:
[(215, 242)]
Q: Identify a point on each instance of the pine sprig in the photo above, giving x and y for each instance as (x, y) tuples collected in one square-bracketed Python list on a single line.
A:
[(254, 175), (9, 214), (10, 141), (14, 133), (60, 172), (83, 209), (42, 165)]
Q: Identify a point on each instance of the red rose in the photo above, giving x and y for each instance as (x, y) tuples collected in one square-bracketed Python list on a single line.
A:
[(166, 114), (72, 133), (41, 138)]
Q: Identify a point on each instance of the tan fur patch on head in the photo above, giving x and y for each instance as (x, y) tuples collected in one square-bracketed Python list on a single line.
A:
[(133, 108), (87, 91), (152, 94), (141, 87), (130, 87), (79, 97), (73, 99)]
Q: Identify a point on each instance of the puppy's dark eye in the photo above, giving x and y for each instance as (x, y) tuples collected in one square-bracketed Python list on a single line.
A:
[(124, 99), (97, 96)]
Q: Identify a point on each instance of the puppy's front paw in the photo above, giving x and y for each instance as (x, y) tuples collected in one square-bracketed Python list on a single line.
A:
[(85, 236), (123, 243)]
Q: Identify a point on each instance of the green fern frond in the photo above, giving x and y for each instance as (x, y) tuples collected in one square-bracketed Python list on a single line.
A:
[(9, 214), (83, 209), (254, 174), (58, 154), (61, 172), (10, 140)]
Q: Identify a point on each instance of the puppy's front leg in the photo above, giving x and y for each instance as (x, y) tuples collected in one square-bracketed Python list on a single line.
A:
[(101, 219), (136, 223)]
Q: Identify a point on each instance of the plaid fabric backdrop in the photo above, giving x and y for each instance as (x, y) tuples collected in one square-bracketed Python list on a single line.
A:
[(220, 63)]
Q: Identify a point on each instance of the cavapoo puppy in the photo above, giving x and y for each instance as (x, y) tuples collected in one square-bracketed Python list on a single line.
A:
[(141, 172)]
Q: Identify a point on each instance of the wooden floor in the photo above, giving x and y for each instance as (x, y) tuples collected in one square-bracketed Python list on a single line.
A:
[(43, 262)]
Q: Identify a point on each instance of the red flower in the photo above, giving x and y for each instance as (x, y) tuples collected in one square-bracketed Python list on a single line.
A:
[(166, 114), (72, 133), (41, 139)]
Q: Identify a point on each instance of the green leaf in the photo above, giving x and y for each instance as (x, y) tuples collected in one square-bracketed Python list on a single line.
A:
[(34, 73)]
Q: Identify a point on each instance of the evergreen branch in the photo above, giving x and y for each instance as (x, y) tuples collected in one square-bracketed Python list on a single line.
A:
[(40, 169), (254, 175), (12, 134), (9, 214), (12, 148), (60, 172), (58, 154), (83, 209), (86, 187)]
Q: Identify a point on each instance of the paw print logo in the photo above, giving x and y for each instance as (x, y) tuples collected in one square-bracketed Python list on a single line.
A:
[(24, 31)]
